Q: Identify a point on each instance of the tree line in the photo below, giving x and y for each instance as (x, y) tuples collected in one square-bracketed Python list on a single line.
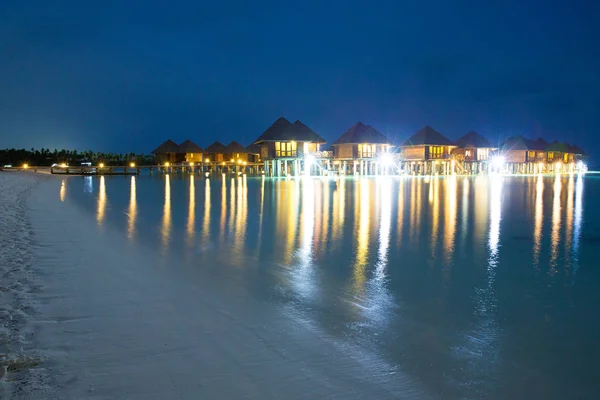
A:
[(47, 157)]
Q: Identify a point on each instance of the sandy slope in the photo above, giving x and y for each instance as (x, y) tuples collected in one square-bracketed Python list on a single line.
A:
[(116, 322), (20, 372)]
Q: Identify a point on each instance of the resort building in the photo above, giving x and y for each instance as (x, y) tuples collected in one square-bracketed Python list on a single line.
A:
[(236, 153), (427, 152), (359, 149), (472, 153), (293, 149), (290, 149), (524, 156), (253, 153), (171, 152), (192, 153), (215, 153)]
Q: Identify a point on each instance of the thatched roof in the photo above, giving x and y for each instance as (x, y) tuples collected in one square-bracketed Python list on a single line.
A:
[(576, 150), (518, 143), (275, 131), (427, 136), (253, 148), (282, 129), (216, 147), (302, 133), (190, 147), (361, 133), (168, 146), (473, 139), (557, 146), (235, 147), (539, 144)]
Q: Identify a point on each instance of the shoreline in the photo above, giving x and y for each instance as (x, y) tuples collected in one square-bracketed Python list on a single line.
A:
[(113, 321)]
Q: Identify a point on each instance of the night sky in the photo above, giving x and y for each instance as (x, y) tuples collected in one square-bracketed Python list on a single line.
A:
[(126, 75)]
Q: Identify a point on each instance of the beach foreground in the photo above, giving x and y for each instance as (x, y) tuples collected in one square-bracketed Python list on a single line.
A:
[(110, 321)]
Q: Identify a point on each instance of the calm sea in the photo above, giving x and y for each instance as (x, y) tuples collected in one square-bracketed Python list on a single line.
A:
[(483, 287)]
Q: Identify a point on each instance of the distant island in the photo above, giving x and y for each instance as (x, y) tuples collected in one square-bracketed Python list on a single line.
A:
[(47, 157)]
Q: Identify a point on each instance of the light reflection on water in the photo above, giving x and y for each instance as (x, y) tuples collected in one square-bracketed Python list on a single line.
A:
[(132, 209), (63, 190), (450, 278), (191, 222), (101, 201), (166, 219)]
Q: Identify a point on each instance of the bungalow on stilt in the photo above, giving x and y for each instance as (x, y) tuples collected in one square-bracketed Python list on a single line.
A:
[(289, 149), (472, 153), (359, 149), (427, 152)]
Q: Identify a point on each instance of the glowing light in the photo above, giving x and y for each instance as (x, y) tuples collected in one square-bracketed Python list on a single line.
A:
[(207, 160), (558, 167), (132, 209), (101, 165), (101, 201), (232, 160), (63, 190), (498, 162), (166, 164), (206, 223), (556, 225), (538, 220), (206, 174), (63, 165), (239, 161), (132, 165), (191, 222), (245, 163), (387, 159), (166, 221), (191, 164), (309, 159), (25, 166)]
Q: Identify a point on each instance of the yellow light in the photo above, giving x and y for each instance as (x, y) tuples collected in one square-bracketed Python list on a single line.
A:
[(245, 163), (63, 165), (132, 165), (207, 160), (191, 164), (239, 161), (223, 162), (25, 166), (232, 160), (101, 165), (166, 164)]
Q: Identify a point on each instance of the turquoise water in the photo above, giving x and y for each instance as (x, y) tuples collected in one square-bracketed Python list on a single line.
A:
[(483, 287)]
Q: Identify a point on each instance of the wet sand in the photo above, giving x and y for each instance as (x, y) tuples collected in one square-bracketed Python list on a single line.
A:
[(112, 320)]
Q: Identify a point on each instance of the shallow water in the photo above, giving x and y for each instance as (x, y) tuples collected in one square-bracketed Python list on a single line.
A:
[(473, 287)]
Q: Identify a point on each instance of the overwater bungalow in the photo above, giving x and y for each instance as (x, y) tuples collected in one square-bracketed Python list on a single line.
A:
[(522, 155), (192, 153), (427, 152), (289, 149), (253, 153), (360, 147), (577, 152), (472, 153), (236, 153), (215, 153), (168, 151)]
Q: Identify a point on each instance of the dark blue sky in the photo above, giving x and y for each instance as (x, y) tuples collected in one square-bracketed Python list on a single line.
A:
[(125, 75)]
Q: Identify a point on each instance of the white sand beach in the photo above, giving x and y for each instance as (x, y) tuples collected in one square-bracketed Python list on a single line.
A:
[(110, 320)]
